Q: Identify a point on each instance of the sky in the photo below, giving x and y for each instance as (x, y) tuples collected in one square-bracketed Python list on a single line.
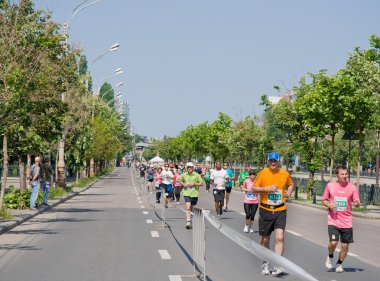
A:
[(184, 61)]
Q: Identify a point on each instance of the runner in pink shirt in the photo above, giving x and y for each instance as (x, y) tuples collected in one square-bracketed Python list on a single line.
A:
[(339, 197), (251, 201)]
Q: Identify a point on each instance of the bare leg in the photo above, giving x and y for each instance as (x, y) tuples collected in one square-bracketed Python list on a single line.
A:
[(279, 248)]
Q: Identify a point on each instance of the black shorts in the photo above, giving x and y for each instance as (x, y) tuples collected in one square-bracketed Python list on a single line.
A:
[(346, 234), (228, 189), (269, 221), (192, 200), (219, 195)]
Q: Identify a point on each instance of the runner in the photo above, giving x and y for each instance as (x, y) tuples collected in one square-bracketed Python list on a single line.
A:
[(142, 170), (243, 175), (191, 182), (218, 178), (271, 183), (150, 178), (207, 179), (158, 184), (338, 197), (167, 181), (251, 202), (231, 175), (177, 186)]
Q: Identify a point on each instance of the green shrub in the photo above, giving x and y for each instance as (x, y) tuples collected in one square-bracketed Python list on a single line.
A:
[(20, 199)]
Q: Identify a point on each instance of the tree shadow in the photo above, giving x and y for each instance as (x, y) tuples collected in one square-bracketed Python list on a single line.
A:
[(9, 247)]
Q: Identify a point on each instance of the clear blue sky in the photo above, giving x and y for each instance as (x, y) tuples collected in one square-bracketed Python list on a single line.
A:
[(185, 61)]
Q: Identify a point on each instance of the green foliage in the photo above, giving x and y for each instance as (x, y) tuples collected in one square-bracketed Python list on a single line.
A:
[(5, 215), (19, 199)]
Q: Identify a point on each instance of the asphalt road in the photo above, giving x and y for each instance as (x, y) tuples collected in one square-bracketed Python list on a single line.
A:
[(113, 232)]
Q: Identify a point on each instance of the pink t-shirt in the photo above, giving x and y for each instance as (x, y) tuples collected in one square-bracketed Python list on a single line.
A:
[(158, 178), (250, 197), (177, 180), (342, 196)]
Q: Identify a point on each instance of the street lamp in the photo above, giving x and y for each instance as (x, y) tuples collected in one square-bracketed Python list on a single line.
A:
[(113, 48), (61, 144), (117, 71)]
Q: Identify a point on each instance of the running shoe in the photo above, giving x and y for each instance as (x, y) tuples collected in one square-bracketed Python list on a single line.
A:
[(218, 217), (328, 263), (265, 269), (188, 225), (225, 209), (251, 230), (246, 229), (277, 272), (339, 268)]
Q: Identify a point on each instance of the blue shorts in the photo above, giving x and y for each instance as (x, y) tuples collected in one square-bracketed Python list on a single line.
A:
[(192, 200)]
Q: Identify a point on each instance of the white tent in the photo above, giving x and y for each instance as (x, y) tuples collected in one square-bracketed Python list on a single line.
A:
[(156, 160)]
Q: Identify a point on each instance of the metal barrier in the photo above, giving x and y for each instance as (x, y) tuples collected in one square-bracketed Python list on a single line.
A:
[(199, 242), (244, 242)]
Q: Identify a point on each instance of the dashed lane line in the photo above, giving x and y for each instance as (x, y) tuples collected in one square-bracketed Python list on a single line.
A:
[(154, 234), (164, 254), (149, 221), (294, 233), (146, 213), (175, 278)]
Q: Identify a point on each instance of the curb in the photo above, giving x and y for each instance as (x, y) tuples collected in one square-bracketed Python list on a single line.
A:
[(12, 224)]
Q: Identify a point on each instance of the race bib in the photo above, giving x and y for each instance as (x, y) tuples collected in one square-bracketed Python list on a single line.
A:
[(341, 203), (275, 198), (251, 196)]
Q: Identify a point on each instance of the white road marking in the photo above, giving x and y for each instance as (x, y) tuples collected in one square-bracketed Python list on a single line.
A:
[(175, 278), (242, 214), (145, 213), (140, 202), (154, 234), (352, 254), (293, 232), (164, 254), (149, 221), (142, 207)]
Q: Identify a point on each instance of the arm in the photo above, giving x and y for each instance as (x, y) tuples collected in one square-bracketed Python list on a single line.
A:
[(260, 189)]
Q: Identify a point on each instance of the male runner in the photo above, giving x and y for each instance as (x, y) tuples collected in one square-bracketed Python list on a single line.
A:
[(191, 182), (271, 183), (218, 180), (339, 197)]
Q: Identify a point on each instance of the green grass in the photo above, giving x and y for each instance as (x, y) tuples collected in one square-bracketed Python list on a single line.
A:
[(5, 215)]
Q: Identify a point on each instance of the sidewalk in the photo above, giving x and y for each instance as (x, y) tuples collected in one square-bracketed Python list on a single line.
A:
[(21, 216)]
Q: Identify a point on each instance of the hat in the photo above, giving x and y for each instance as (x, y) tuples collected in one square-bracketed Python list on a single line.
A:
[(189, 164), (274, 156)]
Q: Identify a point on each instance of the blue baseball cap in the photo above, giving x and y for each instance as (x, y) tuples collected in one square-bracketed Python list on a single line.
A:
[(274, 156)]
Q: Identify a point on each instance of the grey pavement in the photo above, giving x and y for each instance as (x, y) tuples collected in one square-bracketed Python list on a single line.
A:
[(103, 233)]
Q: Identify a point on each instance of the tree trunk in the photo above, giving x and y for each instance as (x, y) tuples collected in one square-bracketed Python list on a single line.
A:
[(332, 155), (28, 165), (359, 163), (21, 167), (5, 169)]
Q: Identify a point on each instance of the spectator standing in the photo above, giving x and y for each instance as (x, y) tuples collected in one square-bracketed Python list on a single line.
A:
[(47, 176)]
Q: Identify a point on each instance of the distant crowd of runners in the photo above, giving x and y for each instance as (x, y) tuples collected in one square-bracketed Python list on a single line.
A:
[(266, 190)]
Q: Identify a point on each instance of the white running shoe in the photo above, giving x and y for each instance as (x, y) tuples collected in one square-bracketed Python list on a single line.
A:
[(251, 230), (265, 269), (246, 229), (328, 263), (277, 271), (339, 268)]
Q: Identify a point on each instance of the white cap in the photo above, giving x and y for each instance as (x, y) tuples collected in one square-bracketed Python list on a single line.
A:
[(189, 164)]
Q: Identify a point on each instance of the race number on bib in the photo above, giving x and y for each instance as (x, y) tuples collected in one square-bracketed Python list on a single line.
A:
[(341, 203), (275, 198), (251, 196)]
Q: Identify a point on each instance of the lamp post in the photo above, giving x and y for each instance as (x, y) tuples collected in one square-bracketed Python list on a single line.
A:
[(117, 71), (113, 48), (61, 144)]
